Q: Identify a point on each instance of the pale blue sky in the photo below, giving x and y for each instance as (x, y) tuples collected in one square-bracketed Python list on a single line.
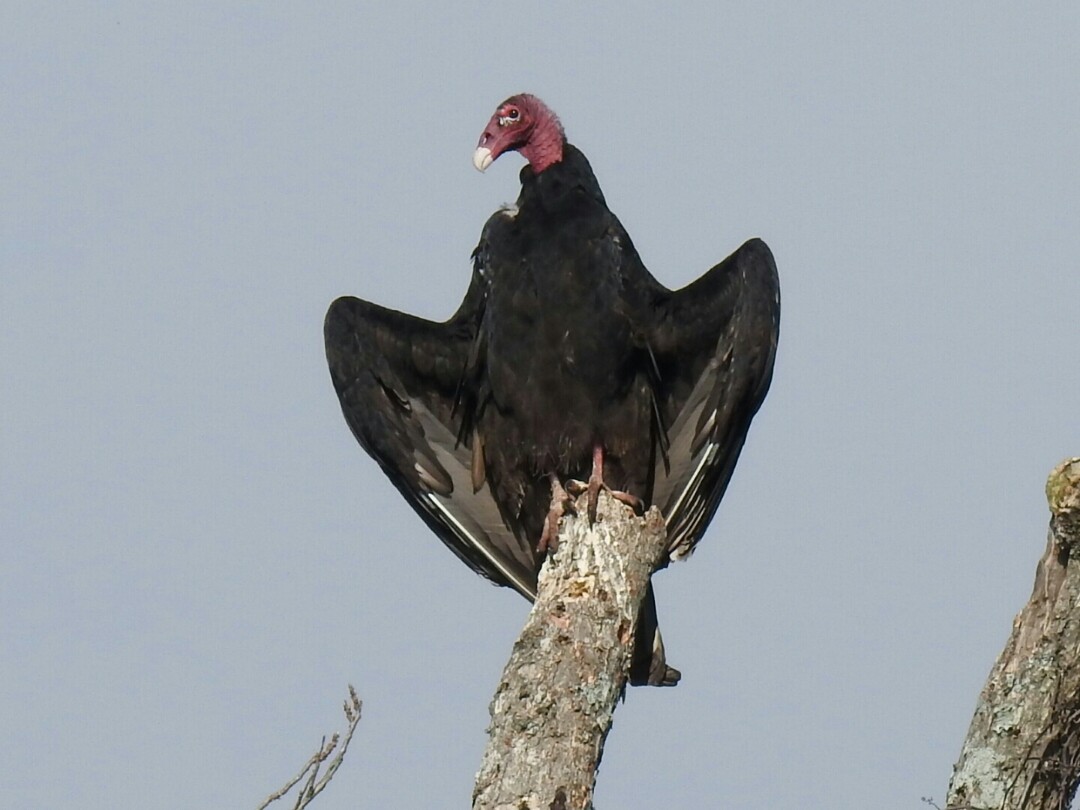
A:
[(196, 557)]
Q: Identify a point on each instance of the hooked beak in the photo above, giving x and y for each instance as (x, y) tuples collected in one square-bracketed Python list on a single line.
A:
[(482, 158)]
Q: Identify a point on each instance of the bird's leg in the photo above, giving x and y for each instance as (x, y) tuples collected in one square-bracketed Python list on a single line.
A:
[(596, 480), (561, 504), (596, 483)]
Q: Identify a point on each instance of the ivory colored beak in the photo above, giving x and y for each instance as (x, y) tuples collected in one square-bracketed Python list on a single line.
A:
[(482, 158)]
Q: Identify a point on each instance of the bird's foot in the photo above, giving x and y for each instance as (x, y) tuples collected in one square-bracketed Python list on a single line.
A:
[(561, 504), (593, 487), (596, 483)]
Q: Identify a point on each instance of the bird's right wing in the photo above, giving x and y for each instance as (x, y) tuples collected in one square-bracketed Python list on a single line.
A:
[(405, 389)]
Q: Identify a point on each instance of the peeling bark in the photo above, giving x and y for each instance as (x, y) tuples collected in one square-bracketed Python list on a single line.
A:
[(1023, 747), (553, 707)]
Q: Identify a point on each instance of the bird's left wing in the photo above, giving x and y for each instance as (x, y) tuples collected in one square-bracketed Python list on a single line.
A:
[(405, 390), (713, 345)]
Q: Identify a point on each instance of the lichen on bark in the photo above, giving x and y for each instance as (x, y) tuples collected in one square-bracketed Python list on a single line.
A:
[(1023, 746), (553, 707)]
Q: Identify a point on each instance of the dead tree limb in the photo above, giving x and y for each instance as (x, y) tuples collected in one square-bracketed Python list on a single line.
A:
[(552, 710), (1023, 747)]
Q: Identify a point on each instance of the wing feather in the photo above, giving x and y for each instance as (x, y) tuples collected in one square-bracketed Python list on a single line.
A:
[(406, 390), (715, 343)]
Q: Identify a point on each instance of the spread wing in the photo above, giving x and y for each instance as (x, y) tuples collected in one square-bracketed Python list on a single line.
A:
[(713, 343), (405, 386)]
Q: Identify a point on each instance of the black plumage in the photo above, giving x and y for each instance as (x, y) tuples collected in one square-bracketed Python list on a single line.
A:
[(564, 345)]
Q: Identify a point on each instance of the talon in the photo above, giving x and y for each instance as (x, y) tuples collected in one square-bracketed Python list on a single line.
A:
[(561, 504), (595, 482), (575, 487), (549, 538), (633, 501)]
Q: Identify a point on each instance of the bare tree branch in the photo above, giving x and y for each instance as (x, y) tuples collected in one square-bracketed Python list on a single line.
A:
[(1023, 747), (313, 785), (552, 710)]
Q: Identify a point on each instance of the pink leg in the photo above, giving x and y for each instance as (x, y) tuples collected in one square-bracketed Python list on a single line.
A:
[(596, 483), (561, 504)]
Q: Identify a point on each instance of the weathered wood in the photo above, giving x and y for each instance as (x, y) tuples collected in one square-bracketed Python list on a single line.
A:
[(552, 710), (1023, 747)]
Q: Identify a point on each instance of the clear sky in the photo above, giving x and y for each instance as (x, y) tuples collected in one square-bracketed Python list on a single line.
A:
[(196, 557)]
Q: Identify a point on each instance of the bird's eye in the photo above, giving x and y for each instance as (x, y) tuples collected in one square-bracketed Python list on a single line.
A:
[(509, 116)]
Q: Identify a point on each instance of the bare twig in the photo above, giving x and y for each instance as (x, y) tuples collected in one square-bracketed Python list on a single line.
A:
[(313, 785)]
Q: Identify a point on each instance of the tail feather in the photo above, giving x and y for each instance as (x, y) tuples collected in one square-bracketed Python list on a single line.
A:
[(649, 666)]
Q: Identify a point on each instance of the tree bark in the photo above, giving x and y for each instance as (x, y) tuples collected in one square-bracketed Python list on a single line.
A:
[(1023, 747), (553, 707)]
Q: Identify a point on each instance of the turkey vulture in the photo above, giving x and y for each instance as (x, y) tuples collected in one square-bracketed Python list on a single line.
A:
[(565, 361)]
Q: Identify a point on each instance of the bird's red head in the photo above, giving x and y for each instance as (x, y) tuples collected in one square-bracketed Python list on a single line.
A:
[(522, 123)]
